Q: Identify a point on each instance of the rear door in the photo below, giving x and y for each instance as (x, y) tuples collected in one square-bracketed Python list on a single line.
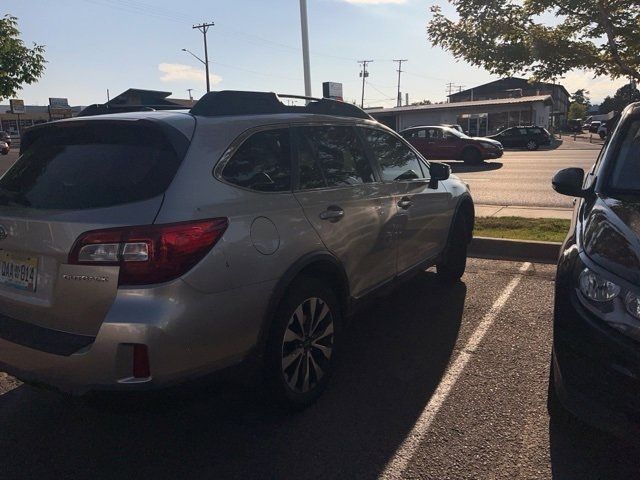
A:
[(424, 213), (70, 178), (352, 212)]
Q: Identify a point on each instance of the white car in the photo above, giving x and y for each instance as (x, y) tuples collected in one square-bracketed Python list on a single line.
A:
[(602, 131), (4, 147)]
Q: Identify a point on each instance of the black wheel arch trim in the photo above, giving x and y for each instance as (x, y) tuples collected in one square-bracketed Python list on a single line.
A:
[(285, 282), (464, 199)]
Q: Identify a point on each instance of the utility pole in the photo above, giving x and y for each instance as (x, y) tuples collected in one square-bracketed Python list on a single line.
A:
[(450, 87), (364, 74), (190, 96), (304, 25), (203, 27), (399, 104)]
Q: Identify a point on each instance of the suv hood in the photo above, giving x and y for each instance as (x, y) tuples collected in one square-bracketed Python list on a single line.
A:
[(611, 236)]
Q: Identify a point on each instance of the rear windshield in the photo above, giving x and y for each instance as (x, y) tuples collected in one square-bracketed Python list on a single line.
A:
[(84, 166)]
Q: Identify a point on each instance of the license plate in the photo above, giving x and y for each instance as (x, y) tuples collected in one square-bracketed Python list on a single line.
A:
[(18, 271)]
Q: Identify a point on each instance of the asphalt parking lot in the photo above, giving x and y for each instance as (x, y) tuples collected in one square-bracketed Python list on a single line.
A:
[(435, 382)]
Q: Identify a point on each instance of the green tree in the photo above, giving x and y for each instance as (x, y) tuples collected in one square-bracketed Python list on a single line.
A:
[(510, 36), (577, 110), (580, 96), (423, 102), (19, 65), (624, 96)]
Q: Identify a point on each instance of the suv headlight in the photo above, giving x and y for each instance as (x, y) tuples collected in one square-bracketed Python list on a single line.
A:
[(617, 307), (632, 302), (596, 288)]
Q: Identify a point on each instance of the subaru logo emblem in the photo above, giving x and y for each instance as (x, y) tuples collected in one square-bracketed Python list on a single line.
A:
[(3, 233)]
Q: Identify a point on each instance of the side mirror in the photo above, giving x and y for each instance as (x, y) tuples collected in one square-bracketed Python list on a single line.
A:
[(439, 172), (568, 181)]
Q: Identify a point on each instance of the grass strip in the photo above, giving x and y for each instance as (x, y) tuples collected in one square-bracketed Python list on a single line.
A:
[(519, 228)]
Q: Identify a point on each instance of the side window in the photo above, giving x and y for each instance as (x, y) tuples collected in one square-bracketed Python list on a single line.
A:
[(263, 162), (534, 131), (422, 133), (522, 131), (332, 156), (396, 160)]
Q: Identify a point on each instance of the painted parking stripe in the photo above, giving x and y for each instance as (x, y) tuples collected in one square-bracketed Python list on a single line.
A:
[(398, 464)]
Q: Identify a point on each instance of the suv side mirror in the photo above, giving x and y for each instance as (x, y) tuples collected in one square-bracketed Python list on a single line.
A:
[(439, 172), (568, 181)]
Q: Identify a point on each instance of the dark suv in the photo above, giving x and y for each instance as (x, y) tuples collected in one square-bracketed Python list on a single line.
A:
[(523, 137), (595, 372), (446, 143)]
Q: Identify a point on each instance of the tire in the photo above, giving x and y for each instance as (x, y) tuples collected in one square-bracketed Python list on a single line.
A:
[(602, 135), (472, 156), (556, 410), (300, 356), (532, 145), (455, 262)]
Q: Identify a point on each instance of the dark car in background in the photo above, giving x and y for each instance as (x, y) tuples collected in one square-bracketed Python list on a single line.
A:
[(595, 368), (445, 143), (523, 137), (4, 147)]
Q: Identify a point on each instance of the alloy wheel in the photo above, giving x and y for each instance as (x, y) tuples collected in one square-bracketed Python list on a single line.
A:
[(531, 145), (307, 345)]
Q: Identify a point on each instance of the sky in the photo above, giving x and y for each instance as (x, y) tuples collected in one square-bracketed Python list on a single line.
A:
[(95, 45)]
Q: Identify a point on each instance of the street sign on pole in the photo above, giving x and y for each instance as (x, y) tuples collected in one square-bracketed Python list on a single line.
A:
[(332, 90), (16, 106)]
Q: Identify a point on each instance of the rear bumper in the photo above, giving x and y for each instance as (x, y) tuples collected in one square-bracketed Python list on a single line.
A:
[(188, 336)]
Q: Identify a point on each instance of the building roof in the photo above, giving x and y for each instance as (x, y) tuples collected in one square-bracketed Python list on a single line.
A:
[(437, 106), (505, 84)]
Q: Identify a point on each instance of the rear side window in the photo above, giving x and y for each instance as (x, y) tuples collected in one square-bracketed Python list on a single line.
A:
[(534, 131), (331, 156), (263, 162), (396, 160), (90, 165)]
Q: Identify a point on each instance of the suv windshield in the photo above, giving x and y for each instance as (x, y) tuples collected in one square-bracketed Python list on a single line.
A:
[(90, 165), (624, 177)]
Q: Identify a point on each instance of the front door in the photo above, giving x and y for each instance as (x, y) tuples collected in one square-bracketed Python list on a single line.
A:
[(423, 213), (352, 212)]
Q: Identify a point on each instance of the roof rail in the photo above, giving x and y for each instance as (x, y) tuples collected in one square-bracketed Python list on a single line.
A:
[(102, 109), (230, 102)]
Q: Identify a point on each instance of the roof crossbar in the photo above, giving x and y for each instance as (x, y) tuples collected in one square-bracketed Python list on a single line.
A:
[(233, 103)]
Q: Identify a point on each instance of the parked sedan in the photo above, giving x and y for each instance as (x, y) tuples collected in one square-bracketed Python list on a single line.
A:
[(523, 137), (5, 137), (445, 143), (595, 370), (4, 147)]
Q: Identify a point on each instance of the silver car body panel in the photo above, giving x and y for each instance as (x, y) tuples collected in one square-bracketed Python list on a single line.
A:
[(213, 315)]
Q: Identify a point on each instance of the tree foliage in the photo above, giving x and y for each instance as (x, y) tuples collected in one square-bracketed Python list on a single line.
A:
[(577, 110), (510, 36), (624, 96), (581, 96), (19, 65)]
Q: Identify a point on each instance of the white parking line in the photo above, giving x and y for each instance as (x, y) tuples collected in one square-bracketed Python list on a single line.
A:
[(398, 464)]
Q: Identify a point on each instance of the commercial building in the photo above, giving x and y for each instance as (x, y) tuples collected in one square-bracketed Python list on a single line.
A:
[(13, 123), (487, 109)]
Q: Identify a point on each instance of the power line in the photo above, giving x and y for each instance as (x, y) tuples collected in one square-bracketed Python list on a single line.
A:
[(364, 74), (399, 73)]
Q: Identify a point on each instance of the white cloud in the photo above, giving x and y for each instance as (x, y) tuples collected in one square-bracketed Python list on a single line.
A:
[(598, 87), (177, 72), (375, 2)]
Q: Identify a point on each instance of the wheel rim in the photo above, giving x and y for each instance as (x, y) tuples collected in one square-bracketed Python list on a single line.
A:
[(307, 345), (531, 145)]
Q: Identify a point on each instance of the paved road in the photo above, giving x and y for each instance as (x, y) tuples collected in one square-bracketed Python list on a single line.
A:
[(524, 178), (434, 383)]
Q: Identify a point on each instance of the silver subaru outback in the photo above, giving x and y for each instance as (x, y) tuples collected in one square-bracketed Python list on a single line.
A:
[(143, 249)]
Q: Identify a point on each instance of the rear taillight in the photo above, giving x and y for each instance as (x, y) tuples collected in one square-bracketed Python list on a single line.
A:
[(149, 254)]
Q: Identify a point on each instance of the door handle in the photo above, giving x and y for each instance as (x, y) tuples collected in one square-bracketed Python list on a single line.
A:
[(333, 213), (405, 203)]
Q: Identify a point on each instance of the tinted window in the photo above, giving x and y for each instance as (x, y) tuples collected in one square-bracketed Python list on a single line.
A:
[(90, 166), (396, 160), (624, 176), (263, 162), (434, 134), (534, 131), (331, 156)]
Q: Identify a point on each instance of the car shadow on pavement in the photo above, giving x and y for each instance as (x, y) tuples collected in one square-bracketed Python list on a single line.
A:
[(395, 353), (580, 451), (461, 167)]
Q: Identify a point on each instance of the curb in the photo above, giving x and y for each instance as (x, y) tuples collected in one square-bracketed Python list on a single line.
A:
[(520, 250)]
